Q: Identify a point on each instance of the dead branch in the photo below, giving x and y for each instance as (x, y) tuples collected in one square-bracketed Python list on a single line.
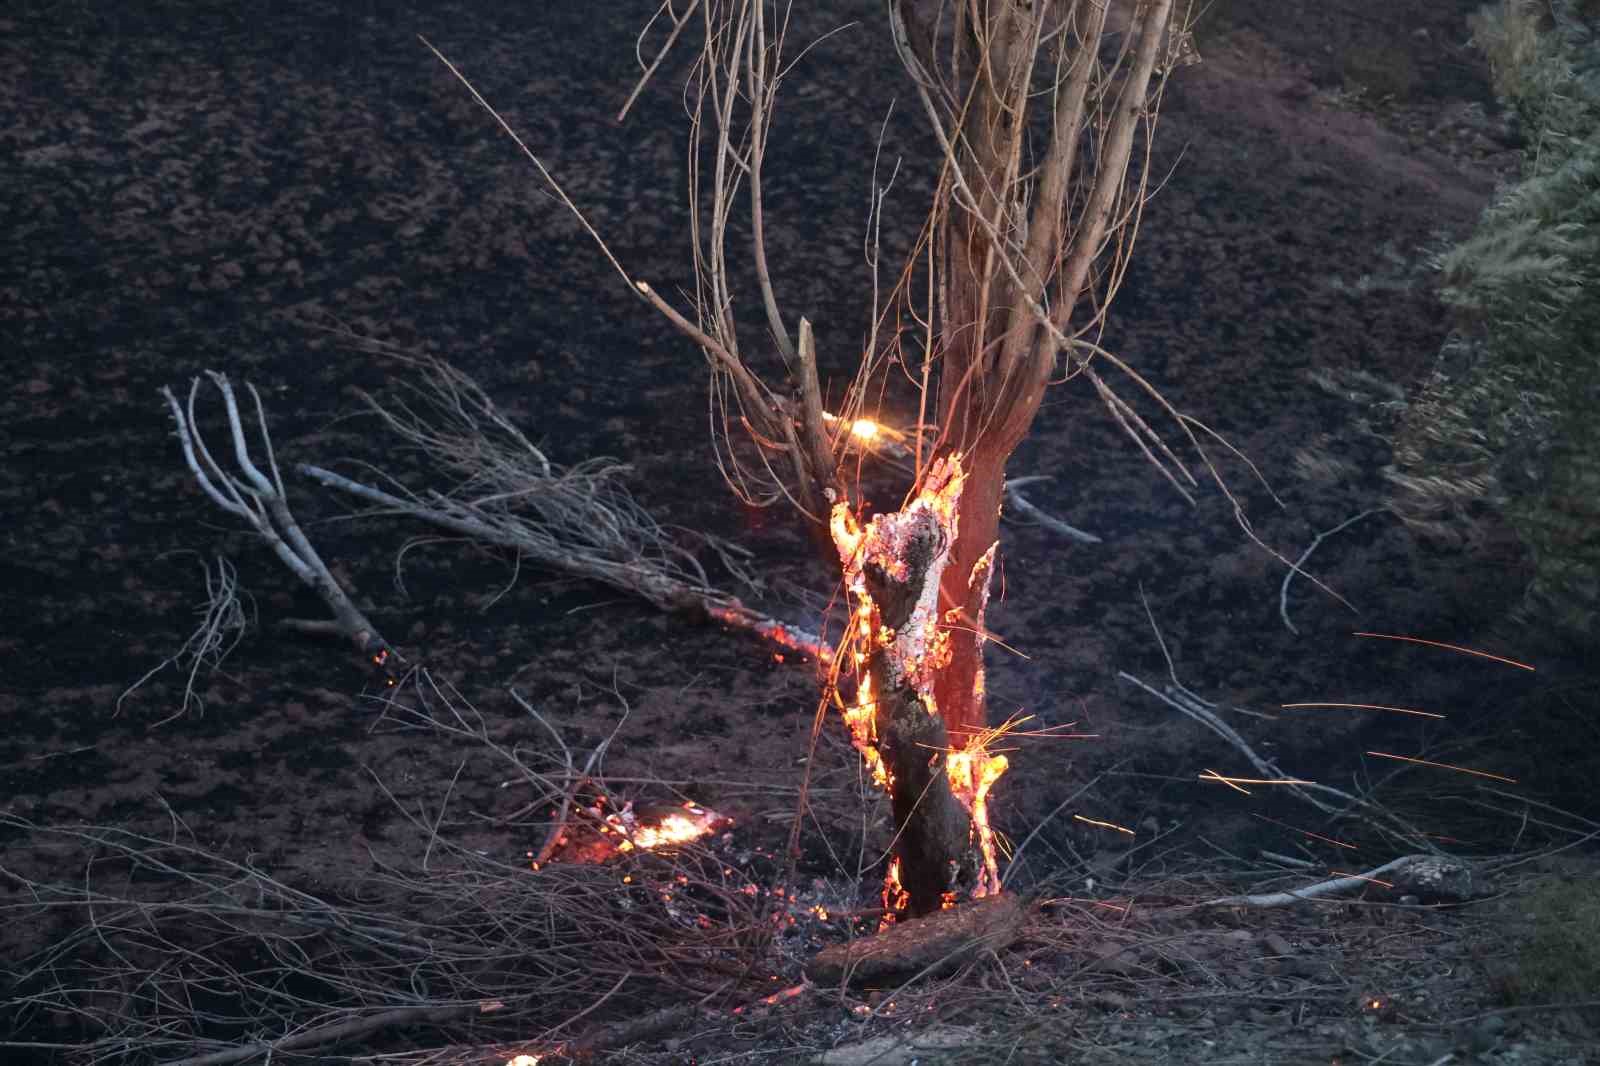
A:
[(1426, 876), (1024, 506), (939, 942), (1179, 697), (340, 1032), (222, 625), (1283, 591), (580, 520), (263, 503)]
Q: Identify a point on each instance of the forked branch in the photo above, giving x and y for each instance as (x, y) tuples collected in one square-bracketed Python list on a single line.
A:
[(261, 501)]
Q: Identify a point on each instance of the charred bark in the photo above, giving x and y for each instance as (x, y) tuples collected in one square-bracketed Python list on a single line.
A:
[(933, 831)]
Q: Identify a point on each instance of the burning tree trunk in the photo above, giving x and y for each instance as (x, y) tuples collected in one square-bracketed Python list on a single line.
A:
[(901, 649), (1026, 243), (1016, 243)]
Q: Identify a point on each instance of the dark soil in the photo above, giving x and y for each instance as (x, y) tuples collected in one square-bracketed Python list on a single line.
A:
[(276, 192)]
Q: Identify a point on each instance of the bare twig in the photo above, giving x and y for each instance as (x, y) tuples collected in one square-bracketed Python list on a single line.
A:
[(222, 624), (1283, 592), (339, 1032)]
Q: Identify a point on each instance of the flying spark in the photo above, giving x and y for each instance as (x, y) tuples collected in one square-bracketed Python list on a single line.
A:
[(1368, 707), (1103, 825), (1307, 832), (1449, 647), (1235, 782), (1444, 766), (1363, 877)]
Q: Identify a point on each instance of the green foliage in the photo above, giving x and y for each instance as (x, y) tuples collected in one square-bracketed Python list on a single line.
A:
[(1507, 418), (1559, 960)]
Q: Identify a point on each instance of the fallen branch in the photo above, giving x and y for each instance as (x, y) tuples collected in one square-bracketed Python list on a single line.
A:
[(1425, 876), (637, 577), (1021, 504), (340, 1032), (936, 943), (262, 502)]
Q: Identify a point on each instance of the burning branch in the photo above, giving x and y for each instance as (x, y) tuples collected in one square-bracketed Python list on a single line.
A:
[(262, 502), (579, 520)]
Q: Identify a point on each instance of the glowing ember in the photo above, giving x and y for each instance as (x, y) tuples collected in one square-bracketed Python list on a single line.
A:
[(873, 435), (864, 429), (735, 613), (523, 1060), (679, 826), (895, 897), (1103, 825)]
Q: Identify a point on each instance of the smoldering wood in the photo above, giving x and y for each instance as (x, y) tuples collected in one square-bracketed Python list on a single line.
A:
[(938, 943), (933, 830)]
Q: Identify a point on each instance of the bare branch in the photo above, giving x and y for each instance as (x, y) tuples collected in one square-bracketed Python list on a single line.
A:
[(222, 625), (261, 502)]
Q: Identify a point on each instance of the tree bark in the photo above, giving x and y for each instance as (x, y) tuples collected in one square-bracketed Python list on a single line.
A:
[(966, 585), (933, 830)]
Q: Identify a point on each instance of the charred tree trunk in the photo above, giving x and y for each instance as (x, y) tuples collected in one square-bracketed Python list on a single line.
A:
[(1027, 238), (933, 829), (902, 650)]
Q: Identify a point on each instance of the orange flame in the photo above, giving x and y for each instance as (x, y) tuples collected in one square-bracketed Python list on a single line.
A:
[(918, 650), (677, 827)]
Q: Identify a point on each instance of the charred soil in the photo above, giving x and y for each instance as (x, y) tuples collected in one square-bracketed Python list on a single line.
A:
[(279, 195)]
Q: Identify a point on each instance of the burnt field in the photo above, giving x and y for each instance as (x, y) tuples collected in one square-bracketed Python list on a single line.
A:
[(296, 197)]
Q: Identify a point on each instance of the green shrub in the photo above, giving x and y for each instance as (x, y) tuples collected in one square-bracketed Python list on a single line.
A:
[(1559, 959), (1508, 416)]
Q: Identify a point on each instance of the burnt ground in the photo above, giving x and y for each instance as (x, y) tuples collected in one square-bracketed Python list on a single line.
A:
[(273, 196)]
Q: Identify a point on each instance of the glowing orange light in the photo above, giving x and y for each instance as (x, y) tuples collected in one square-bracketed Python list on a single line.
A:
[(1307, 832), (1444, 766), (914, 652), (1362, 877), (1447, 647), (1237, 783), (1103, 825), (864, 429), (1368, 707), (674, 828), (895, 897)]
